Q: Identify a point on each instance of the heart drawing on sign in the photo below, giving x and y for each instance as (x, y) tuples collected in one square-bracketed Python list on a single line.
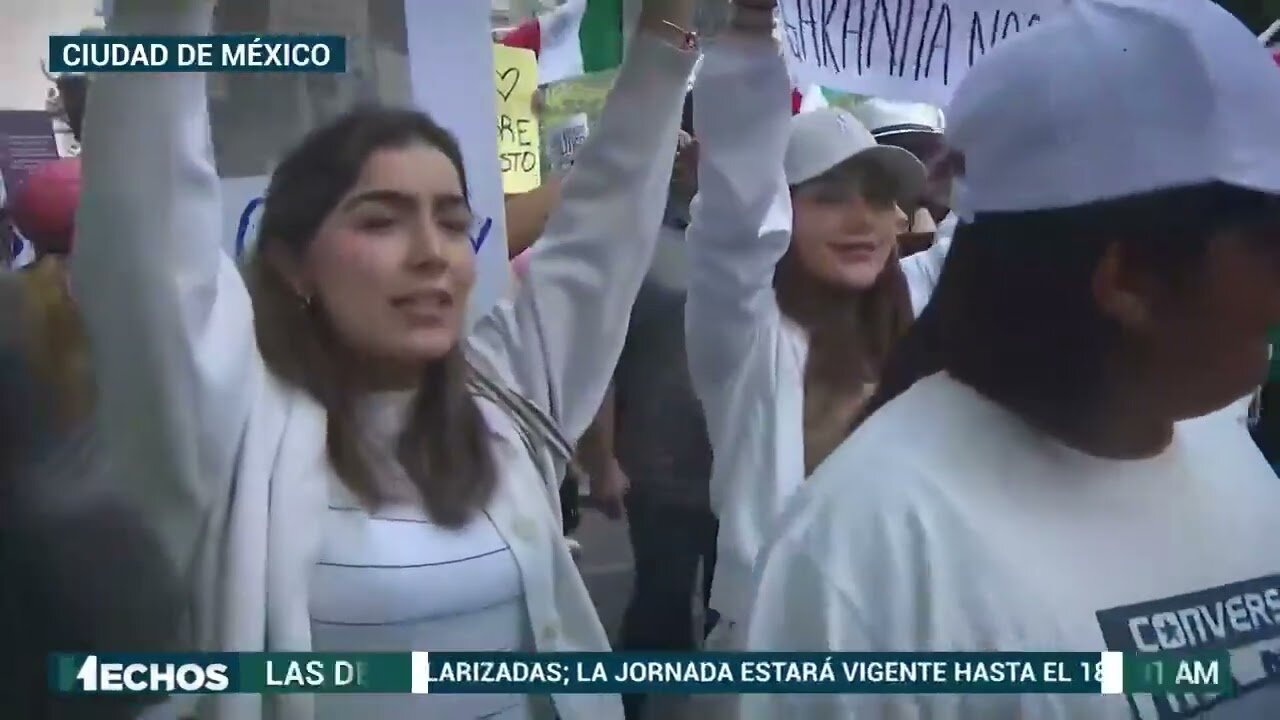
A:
[(508, 79)]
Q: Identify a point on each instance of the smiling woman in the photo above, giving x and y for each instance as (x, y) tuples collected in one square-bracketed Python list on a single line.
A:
[(795, 294)]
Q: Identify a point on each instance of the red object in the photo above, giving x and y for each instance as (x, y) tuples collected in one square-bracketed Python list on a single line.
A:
[(527, 35), (44, 206), (1276, 56), (797, 99)]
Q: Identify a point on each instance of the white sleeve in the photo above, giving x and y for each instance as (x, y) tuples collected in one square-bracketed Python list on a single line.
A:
[(559, 339), (166, 311), (741, 217), (923, 269)]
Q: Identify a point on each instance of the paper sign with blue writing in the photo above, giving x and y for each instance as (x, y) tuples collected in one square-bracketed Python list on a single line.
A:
[(242, 202), (450, 55), (899, 49), (519, 143)]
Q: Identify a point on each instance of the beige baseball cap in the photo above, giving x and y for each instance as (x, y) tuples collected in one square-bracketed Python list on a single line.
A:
[(827, 137)]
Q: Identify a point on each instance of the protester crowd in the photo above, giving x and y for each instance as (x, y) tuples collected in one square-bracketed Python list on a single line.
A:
[(891, 379)]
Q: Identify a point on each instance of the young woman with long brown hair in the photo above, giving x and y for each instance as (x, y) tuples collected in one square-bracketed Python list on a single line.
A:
[(795, 293), (328, 459)]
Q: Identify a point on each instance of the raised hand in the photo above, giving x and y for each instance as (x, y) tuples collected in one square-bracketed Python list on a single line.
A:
[(669, 19)]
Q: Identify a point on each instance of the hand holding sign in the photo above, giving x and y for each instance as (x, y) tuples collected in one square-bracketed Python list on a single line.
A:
[(516, 80)]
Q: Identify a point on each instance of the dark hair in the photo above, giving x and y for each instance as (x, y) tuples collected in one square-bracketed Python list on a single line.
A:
[(686, 115), (444, 448), (1013, 315), (72, 91), (851, 332)]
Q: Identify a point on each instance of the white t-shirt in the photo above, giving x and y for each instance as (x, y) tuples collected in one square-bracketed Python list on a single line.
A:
[(946, 523)]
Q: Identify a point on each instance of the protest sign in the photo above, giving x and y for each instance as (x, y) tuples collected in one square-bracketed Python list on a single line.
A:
[(899, 49), (564, 139), (516, 80), (450, 56), (241, 210)]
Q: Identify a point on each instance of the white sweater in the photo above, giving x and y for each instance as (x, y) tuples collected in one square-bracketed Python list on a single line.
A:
[(224, 462)]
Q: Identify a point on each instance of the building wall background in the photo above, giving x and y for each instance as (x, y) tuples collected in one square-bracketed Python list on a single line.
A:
[(27, 25), (257, 117)]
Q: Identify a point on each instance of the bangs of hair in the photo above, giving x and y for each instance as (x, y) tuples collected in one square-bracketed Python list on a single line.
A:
[(865, 175)]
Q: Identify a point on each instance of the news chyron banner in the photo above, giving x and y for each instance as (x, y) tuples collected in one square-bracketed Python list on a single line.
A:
[(651, 673)]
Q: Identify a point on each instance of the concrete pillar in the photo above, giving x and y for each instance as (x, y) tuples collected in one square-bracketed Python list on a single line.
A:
[(257, 117)]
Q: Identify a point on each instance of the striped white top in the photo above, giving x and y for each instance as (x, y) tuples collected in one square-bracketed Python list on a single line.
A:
[(395, 581)]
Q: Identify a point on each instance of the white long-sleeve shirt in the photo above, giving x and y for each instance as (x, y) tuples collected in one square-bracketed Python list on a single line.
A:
[(224, 463), (745, 357)]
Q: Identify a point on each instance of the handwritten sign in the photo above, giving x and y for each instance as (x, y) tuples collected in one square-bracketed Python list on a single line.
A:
[(516, 79), (900, 49), (450, 56), (241, 211), (480, 232), (564, 140)]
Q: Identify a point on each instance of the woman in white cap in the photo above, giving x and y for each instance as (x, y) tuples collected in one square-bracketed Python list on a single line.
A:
[(1044, 490), (795, 293)]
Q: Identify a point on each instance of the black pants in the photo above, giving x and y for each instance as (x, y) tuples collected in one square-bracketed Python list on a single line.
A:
[(669, 541)]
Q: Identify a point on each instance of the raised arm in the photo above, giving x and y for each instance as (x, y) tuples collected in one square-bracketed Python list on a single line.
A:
[(742, 214), (559, 339), (923, 269), (167, 314)]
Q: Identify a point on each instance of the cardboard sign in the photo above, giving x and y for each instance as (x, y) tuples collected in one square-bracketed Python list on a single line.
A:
[(516, 80), (899, 49), (241, 210)]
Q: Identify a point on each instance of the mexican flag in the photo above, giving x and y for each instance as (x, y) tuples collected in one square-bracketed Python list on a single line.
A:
[(577, 38)]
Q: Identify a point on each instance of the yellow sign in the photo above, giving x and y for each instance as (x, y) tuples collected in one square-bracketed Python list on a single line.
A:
[(516, 80)]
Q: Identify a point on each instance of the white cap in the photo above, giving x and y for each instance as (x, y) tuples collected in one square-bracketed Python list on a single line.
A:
[(886, 118), (1111, 98), (826, 137)]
